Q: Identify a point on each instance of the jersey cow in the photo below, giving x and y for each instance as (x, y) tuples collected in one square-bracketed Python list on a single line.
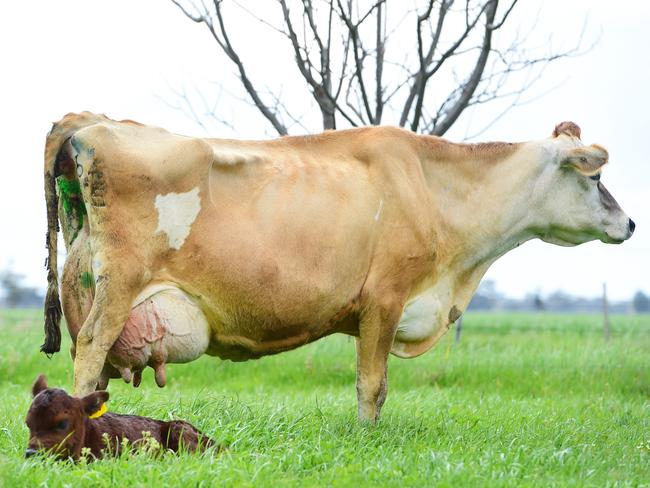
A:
[(180, 246)]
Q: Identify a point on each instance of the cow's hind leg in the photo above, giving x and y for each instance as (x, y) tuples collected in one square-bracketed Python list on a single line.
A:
[(111, 306), (376, 332)]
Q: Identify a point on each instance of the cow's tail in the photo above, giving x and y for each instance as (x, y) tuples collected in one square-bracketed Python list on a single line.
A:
[(60, 133)]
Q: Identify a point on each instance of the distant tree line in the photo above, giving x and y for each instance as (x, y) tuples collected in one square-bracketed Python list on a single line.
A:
[(641, 302), (487, 297), (15, 294)]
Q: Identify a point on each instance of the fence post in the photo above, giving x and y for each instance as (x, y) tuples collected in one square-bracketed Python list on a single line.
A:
[(459, 326), (605, 313)]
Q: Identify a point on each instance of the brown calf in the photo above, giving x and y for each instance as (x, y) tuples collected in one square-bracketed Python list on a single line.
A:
[(64, 425)]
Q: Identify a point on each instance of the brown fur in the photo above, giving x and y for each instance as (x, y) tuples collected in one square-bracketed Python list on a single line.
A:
[(443, 150), (569, 128), (59, 424)]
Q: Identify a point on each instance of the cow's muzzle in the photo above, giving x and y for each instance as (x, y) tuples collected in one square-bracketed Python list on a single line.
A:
[(631, 226)]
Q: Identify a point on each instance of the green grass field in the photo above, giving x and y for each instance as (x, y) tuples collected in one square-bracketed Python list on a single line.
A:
[(523, 400)]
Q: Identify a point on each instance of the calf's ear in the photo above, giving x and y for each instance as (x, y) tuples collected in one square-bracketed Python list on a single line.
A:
[(39, 385), (587, 160), (93, 403)]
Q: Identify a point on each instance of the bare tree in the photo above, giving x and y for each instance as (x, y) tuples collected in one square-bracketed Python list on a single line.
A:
[(421, 70)]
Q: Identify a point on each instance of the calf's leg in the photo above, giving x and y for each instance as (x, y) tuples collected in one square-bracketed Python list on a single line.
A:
[(178, 434)]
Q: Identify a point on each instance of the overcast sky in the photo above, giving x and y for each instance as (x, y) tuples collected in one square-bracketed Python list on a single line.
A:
[(122, 57)]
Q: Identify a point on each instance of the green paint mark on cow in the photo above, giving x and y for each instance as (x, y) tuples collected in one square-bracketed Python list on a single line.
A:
[(87, 279), (73, 204), (70, 194)]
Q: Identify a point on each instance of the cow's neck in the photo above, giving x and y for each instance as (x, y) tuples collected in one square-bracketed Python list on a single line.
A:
[(483, 210)]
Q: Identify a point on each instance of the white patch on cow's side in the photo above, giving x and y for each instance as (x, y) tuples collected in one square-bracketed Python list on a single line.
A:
[(381, 206), (176, 214)]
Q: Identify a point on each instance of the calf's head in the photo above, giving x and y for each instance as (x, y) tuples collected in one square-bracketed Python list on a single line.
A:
[(56, 421), (571, 204)]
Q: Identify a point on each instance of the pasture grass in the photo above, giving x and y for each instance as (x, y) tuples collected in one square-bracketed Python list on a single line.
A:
[(523, 400)]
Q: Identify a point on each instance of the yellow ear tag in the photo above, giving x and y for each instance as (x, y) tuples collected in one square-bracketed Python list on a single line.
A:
[(98, 413)]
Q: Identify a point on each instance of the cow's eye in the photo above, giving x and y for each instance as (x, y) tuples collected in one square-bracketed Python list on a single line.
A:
[(62, 424), (595, 177)]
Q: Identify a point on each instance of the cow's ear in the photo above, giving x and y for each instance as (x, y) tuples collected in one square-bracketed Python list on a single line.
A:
[(567, 128), (94, 403), (587, 160), (39, 385)]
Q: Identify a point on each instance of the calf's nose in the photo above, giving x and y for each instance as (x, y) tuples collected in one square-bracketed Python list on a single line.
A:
[(30, 452), (632, 226)]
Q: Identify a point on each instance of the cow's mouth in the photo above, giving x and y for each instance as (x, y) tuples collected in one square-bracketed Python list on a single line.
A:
[(567, 237), (611, 240)]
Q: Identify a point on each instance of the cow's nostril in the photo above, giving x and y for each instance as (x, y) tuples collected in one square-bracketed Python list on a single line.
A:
[(632, 226), (30, 452)]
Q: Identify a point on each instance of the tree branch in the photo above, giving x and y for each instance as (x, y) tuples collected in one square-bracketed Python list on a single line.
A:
[(226, 46), (353, 29), (475, 78), (379, 64)]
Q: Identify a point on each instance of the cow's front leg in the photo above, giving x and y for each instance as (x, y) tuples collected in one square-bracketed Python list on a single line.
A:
[(376, 333), (100, 330)]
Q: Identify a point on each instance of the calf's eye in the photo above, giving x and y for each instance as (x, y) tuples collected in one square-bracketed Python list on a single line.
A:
[(62, 424), (595, 177)]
